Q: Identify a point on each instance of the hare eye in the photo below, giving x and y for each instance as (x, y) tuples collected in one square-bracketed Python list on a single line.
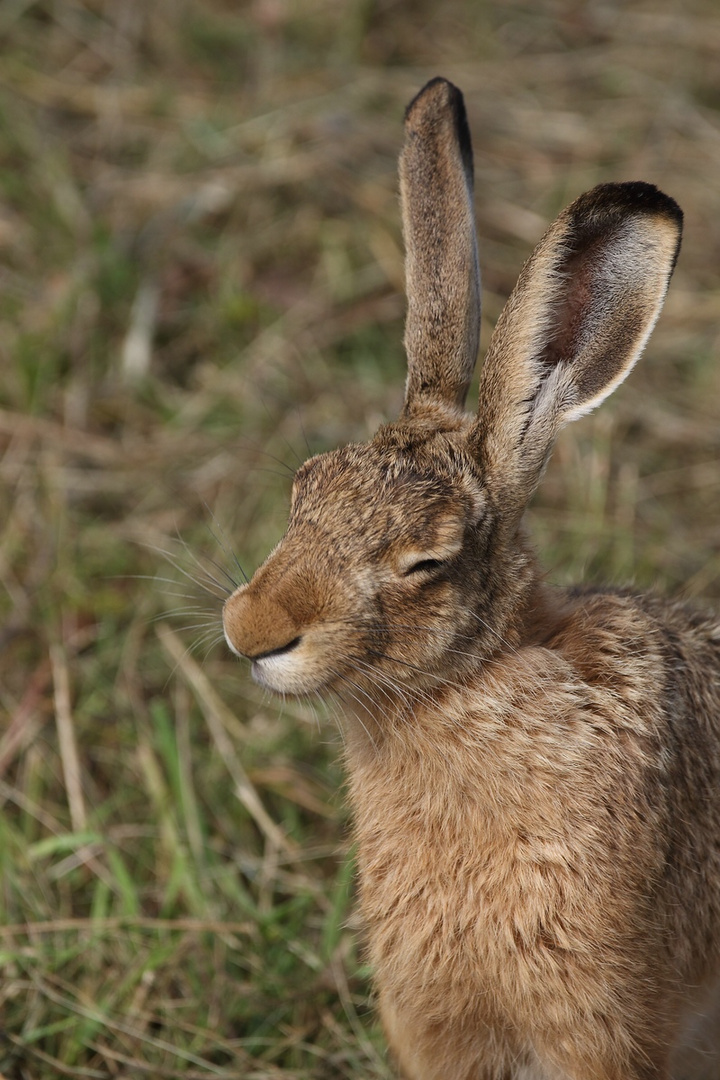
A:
[(424, 565)]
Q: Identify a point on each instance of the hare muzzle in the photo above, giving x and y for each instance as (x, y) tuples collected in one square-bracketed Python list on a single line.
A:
[(260, 629)]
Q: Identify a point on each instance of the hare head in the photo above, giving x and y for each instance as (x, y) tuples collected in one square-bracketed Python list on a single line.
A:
[(404, 563)]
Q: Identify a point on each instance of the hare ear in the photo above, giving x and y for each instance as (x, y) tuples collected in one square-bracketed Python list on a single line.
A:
[(576, 322), (442, 278)]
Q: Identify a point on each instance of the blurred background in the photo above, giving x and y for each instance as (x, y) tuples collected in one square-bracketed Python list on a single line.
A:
[(201, 282)]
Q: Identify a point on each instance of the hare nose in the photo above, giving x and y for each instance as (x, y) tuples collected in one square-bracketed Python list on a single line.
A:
[(257, 626)]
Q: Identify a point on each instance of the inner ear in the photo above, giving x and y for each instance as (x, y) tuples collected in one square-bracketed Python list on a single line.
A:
[(577, 313), (569, 319)]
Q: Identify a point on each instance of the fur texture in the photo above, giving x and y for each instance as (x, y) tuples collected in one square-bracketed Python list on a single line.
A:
[(535, 774)]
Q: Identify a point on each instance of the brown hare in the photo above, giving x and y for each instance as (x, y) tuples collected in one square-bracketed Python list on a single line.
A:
[(534, 772)]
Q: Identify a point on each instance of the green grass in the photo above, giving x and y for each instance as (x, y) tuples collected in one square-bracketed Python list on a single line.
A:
[(201, 283)]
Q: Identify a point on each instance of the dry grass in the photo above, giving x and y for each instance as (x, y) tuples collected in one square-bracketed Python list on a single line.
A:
[(202, 275)]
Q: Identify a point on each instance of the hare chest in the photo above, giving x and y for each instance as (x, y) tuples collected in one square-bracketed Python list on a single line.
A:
[(464, 938), (502, 908)]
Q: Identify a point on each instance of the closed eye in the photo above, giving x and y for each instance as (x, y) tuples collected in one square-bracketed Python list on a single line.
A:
[(424, 565)]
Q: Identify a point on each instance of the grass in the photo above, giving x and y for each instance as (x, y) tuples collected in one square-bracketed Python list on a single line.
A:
[(201, 282)]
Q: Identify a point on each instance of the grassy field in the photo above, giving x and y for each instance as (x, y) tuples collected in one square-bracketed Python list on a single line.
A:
[(202, 281)]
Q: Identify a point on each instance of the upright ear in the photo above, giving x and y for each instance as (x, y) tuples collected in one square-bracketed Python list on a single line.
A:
[(576, 322), (442, 278)]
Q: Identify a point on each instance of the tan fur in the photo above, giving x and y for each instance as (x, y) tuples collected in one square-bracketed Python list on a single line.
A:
[(535, 774), (442, 279)]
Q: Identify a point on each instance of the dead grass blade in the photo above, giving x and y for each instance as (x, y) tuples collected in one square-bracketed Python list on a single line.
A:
[(69, 755), (217, 717)]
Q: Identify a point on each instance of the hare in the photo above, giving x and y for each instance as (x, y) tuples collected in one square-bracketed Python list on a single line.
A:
[(534, 772)]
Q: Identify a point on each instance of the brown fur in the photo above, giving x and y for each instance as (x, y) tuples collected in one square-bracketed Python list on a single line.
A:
[(535, 775)]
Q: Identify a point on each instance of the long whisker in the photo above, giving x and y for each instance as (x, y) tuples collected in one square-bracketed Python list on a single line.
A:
[(492, 630), (206, 614), (418, 629), (304, 433), (380, 681), (290, 447), (220, 539), (279, 461), (351, 682), (447, 649), (206, 625), (210, 641), (407, 694), (171, 581), (335, 710), (439, 679), (201, 566), (202, 584)]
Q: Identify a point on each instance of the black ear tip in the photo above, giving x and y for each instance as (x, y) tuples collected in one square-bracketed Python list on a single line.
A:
[(439, 90), (634, 196), (437, 98), (607, 206)]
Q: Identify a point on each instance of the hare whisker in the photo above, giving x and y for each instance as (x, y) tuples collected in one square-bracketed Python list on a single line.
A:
[(350, 682), (220, 538), (279, 461), (382, 685), (453, 652), (156, 579), (408, 695), (414, 667), (492, 630), (202, 584), (201, 563)]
